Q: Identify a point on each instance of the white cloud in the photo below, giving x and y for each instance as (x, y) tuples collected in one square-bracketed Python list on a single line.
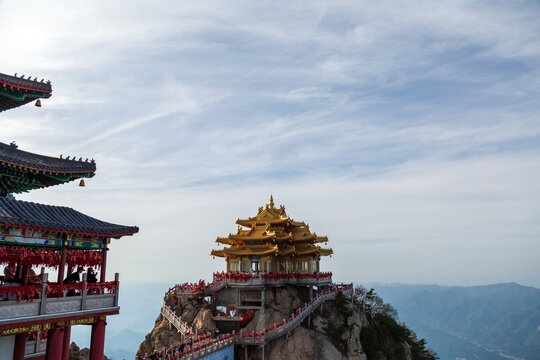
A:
[(411, 122)]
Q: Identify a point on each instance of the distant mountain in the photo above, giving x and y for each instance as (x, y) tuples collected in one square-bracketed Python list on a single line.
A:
[(123, 345), (491, 322)]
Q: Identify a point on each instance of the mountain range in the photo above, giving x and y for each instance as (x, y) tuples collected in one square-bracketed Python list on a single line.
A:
[(490, 322)]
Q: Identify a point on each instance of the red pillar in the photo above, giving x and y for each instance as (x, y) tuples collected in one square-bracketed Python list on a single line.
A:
[(63, 258), (55, 338), (97, 341), (103, 264), (66, 342), (20, 345)]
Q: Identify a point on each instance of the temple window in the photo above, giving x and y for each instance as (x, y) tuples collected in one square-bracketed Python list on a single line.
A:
[(234, 266)]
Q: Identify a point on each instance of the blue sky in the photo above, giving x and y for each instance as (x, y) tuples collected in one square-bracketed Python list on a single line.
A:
[(407, 133)]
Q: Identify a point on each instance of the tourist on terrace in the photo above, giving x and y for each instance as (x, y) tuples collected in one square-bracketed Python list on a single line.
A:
[(9, 273), (91, 276), (74, 277)]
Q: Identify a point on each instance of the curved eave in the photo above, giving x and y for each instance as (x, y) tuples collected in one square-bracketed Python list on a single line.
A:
[(250, 251), (16, 184), (308, 239), (61, 219), (313, 250), (243, 238), (251, 222), (22, 166), (325, 252), (25, 84), (321, 239), (16, 91), (17, 159), (283, 238), (60, 230), (227, 241), (218, 253)]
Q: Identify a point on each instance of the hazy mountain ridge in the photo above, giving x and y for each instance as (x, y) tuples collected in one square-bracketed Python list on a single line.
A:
[(501, 317)]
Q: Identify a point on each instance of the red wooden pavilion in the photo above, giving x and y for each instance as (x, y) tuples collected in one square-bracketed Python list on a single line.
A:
[(36, 314)]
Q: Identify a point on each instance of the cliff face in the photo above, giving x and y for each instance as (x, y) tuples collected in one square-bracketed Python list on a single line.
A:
[(194, 311), (340, 329)]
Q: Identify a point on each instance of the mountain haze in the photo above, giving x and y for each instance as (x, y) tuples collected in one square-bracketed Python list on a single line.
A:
[(488, 322)]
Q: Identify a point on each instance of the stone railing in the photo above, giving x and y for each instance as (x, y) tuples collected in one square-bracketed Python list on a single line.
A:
[(51, 301), (175, 320)]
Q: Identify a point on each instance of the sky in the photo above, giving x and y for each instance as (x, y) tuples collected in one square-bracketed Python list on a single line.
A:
[(408, 133)]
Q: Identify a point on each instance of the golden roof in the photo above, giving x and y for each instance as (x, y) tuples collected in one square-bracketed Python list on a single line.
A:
[(272, 231)]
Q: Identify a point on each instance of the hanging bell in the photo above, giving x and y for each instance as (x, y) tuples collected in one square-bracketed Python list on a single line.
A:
[(38, 103), (81, 183)]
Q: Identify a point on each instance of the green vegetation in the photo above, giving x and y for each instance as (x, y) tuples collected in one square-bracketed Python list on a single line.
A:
[(385, 335)]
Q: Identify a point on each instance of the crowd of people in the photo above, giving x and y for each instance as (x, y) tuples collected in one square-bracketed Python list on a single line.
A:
[(75, 278), (178, 351), (16, 285)]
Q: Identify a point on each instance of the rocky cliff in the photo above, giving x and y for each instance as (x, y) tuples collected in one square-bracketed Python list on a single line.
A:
[(362, 328)]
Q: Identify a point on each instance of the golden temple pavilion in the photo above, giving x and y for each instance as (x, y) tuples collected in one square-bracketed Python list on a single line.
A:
[(272, 242)]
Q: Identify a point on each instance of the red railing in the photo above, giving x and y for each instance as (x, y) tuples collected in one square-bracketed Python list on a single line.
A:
[(30, 292)]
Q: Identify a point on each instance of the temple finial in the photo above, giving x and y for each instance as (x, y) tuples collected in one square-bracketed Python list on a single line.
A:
[(271, 203)]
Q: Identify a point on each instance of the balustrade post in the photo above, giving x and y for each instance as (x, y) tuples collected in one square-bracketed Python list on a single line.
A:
[(104, 260), (44, 280), (117, 290), (84, 291), (62, 265)]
